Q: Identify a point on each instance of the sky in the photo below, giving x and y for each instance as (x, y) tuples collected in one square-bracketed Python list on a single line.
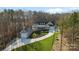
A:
[(44, 9)]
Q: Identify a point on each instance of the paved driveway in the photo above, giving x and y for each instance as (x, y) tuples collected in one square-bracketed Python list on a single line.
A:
[(20, 42)]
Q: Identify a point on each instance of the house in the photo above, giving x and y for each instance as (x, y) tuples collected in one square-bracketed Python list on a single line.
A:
[(42, 25), (24, 34)]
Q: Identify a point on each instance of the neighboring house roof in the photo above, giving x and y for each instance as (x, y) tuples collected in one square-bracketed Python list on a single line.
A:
[(50, 23), (43, 23), (38, 22)]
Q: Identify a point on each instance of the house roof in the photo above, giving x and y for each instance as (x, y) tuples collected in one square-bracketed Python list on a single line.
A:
[(41, 22), (51, 23), (45, 22), (23, 31)]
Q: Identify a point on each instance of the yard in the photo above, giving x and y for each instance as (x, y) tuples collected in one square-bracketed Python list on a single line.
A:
[(43, 45)]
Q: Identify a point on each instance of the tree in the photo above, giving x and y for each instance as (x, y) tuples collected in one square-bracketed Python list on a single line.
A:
[(72, 23)]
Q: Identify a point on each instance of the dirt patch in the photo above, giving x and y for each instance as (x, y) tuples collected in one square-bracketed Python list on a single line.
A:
[(61, 47)]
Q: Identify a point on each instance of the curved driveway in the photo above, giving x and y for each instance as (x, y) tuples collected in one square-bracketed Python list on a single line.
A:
[(19, 42)]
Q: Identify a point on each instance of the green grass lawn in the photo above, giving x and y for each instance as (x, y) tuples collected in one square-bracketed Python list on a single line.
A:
[(43, 45)]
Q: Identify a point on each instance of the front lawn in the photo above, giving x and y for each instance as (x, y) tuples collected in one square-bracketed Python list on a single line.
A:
[(43, 45)]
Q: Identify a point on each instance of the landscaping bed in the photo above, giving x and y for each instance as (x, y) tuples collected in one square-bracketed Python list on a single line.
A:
[(37, 34)]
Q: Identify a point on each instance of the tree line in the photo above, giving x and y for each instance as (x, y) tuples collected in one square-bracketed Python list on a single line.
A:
[(68, 23)]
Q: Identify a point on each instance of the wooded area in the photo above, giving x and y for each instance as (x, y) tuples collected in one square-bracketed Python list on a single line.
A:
[(68, 23), (12, 22)]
